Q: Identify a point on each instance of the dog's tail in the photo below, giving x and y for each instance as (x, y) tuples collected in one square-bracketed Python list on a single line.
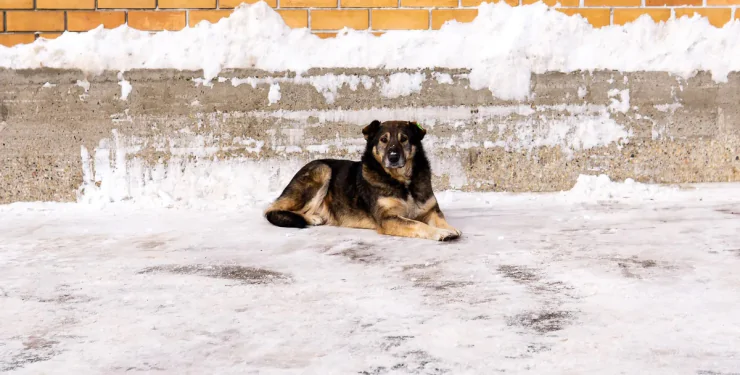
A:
[(286, 219)]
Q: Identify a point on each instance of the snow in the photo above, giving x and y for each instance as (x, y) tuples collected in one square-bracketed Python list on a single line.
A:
[(503, 46), (640, 280), (273, 96), (112, 170), (126, 87), (172, 268), (402, 84)]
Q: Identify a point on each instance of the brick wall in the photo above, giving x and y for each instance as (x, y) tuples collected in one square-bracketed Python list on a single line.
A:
[(22, 21)]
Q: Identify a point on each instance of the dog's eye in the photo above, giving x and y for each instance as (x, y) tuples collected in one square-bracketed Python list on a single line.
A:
[(404, 138), (384, 139)]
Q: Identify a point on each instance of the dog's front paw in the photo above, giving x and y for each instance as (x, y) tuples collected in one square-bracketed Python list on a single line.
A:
[(315, 220), (447, 235)]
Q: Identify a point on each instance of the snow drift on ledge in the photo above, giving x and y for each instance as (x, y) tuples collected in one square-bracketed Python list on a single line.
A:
[(502, 47)]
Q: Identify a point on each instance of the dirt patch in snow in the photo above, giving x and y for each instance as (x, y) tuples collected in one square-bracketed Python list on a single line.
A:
[(35, 349), (249, 275), (542, 322)]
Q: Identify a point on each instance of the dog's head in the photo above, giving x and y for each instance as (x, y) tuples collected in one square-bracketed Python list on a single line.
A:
[(393, 143)]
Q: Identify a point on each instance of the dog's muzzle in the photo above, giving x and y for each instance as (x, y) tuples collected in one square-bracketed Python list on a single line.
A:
[(395, 159)]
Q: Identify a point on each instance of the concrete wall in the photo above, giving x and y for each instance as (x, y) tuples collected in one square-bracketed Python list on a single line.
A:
[(652, 127)]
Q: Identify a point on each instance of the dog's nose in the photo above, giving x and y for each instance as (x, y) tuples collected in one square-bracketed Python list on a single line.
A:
[(393, 156)]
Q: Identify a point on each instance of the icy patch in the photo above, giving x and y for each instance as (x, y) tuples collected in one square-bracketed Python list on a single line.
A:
[(668, 107), (327, 84), (402, 84), (125, 86), (620, 100), (274, 95), (582, 91), (48, 85), (443, 78), (81, 83)]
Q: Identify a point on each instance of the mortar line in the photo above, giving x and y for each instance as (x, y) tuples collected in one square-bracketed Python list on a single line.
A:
[(611, 16)]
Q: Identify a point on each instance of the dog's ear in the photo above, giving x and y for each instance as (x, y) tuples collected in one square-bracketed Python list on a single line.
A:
[(417, 130), (370, 130)]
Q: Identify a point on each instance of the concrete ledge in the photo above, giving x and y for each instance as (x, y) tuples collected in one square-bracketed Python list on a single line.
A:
[(649, 126)]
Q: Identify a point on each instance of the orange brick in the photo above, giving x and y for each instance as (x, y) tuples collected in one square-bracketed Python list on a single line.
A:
[(623, 16), (612, 3), (596, 17), (295, 19), (369, 3), (156, 21), (49, 35), (84, 21), (658, 3), (718, 17), (723, 2), (475, 3), (203, 4), (127, 4), (429, 3), (308, 3), (325, 35), (16, 4), (211, 16), (400, 19), (65, 4), (337, 19), (235, 3), (440, 16), (10, 40), (565, 3), (34, 21)]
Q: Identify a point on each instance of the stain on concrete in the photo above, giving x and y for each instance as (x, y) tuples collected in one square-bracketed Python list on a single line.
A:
[(637, 268), (244, 274), (729, 211), (357, 252), (542, 322), (67, 298), (35, 349), (520, 274)]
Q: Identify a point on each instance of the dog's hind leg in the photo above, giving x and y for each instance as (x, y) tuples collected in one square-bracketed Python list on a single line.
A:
[(301, 202)]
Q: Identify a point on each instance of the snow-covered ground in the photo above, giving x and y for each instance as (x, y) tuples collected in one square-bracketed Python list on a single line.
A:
[(608, 278)]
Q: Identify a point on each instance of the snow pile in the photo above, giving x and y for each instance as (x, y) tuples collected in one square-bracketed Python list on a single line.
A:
[(601, 188), (503, 46)]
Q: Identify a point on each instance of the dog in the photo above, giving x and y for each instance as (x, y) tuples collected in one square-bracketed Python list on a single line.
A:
[(389, 190)]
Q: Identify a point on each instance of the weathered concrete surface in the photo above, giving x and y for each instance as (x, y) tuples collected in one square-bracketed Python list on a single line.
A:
[(679, 131)]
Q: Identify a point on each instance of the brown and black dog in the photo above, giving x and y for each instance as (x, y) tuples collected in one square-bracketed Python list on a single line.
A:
[(390, 190)]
